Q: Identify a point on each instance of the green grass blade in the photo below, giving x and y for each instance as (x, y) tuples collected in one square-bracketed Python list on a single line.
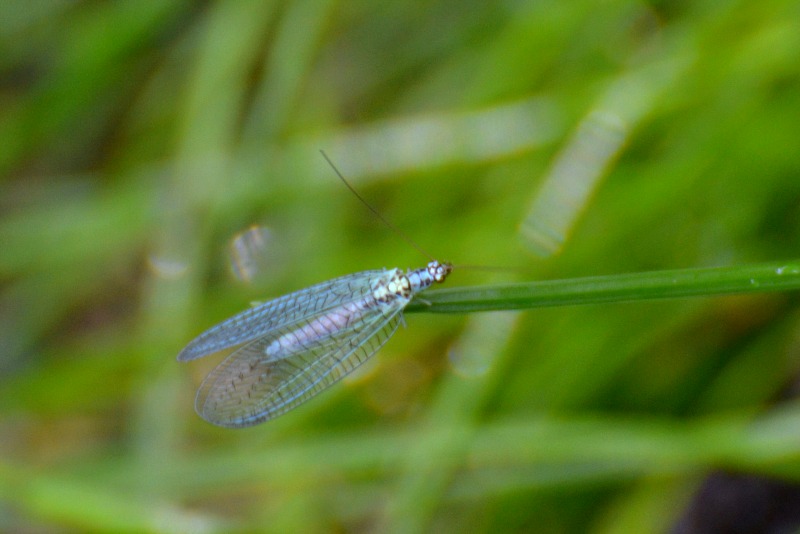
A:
[(778, 276)]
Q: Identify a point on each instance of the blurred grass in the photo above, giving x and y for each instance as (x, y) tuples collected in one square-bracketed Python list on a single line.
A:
[(140, 138)]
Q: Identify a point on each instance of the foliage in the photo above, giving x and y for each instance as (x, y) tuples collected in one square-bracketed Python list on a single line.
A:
[(141, 140)]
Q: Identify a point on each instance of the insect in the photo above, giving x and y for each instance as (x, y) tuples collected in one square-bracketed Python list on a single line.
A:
[(296, 346)]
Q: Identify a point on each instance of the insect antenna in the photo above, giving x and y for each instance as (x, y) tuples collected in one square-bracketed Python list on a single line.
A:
[(490, 269), (375, 212)]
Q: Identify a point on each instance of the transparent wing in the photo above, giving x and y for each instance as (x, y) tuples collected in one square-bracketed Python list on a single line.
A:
[(262, 319), (248, 388)]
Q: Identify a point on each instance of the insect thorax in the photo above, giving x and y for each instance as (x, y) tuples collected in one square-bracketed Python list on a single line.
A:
[(394, 284), (391, 286)]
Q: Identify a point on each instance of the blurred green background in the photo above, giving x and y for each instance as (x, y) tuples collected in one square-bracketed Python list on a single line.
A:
[(144, 143)]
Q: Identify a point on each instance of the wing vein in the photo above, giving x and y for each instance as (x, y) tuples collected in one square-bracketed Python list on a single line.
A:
[(265, 318), (248, 387)]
